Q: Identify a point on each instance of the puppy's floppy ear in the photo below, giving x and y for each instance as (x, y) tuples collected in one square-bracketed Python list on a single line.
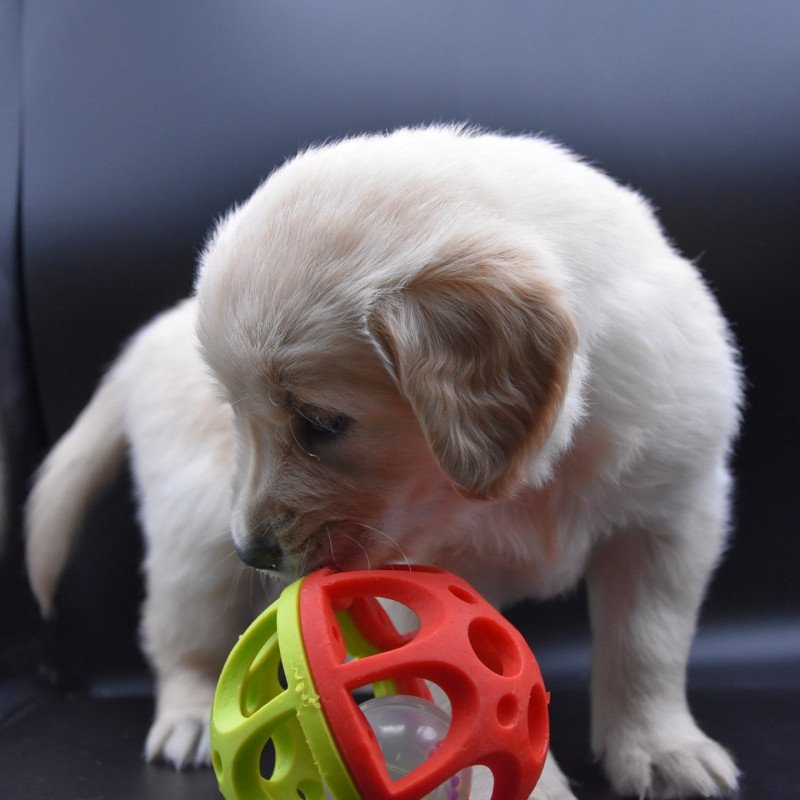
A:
[(482, 352)]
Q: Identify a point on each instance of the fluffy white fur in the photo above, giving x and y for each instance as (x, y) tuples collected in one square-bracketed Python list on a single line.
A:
[(447, 346)]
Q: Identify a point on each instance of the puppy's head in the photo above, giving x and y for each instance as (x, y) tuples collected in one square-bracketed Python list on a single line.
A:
[(385, 366)]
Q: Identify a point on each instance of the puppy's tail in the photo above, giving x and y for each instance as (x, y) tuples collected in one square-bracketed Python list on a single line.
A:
[(83, 461)]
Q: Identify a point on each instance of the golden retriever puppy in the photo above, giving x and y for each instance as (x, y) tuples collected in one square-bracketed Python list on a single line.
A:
[(449, 347), (477, 351)]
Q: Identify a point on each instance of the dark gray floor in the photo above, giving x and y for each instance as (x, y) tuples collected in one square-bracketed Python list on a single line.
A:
[(56, 746)]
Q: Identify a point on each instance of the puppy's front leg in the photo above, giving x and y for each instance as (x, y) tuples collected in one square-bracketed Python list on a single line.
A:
[(645, 589), (194, 609), (552, 784)]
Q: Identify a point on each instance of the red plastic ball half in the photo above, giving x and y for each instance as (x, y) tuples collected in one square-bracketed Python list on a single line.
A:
[(463, 645)]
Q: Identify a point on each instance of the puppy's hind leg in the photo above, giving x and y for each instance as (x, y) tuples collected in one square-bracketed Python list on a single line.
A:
[(645, 589)]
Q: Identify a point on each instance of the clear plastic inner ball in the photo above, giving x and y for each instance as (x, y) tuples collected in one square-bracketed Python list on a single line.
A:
[(409, 731)]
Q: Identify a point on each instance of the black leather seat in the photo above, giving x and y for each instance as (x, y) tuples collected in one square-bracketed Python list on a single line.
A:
[(126, 128)]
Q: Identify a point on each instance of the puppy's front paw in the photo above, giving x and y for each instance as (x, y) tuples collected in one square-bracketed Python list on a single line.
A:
[(663, 769), (180, 737), (553, 784)]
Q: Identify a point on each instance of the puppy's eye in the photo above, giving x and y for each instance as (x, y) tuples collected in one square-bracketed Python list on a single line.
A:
[(321, 423)]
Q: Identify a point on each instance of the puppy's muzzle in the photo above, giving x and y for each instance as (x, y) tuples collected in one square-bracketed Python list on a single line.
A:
[(260, 549)]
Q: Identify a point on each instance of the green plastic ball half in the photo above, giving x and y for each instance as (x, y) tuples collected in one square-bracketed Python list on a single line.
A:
[(265, 693)]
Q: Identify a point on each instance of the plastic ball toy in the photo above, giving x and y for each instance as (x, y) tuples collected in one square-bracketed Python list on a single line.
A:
[(291, 721)]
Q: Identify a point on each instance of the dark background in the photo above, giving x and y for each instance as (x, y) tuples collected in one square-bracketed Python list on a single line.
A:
[(126, 128)]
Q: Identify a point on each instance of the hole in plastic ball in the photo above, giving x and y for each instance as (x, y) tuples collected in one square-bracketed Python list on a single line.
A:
[(264, 679), (404, 619), (463, 595), (266, 762), (494, 647), (482, 781), (409, 731), (310, 790), (282, 682), (216, 760), (369, 624), (507, 709), (537, 713)]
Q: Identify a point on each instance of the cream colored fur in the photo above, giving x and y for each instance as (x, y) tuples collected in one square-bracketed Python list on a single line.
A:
[(456, 348)]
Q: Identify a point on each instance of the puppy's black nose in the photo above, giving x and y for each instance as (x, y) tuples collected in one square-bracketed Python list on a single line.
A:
[(261, 554), (260, 547)]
